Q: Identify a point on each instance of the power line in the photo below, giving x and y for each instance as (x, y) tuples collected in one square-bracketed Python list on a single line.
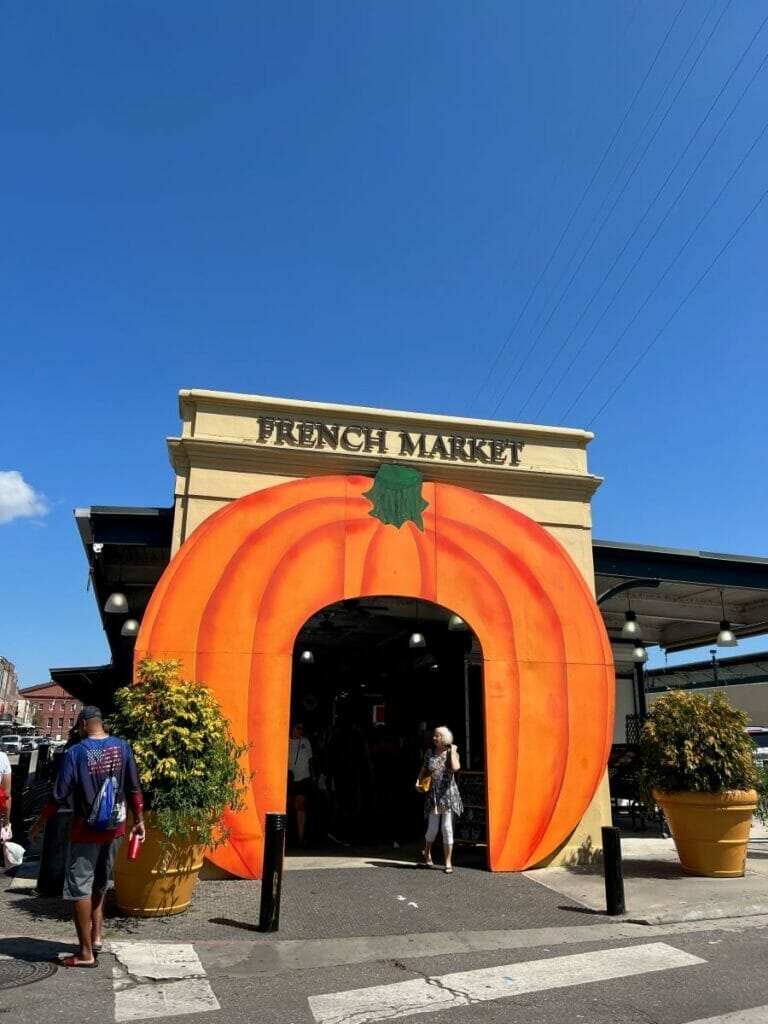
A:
[(599, 211), (617, 199), (679, 253), (680, 305), (505, 344), (661, 223)]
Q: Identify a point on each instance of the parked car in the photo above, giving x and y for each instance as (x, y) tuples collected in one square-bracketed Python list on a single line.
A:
[(28, 743), (10, 743), (759, 736)]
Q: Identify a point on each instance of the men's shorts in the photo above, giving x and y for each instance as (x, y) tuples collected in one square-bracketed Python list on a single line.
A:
[(303, 787), (89, 868)]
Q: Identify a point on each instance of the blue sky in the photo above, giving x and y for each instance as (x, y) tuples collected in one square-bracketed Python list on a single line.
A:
[(367, 203)]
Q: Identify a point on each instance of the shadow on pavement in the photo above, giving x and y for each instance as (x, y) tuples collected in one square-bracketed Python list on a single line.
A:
[(22, 947)]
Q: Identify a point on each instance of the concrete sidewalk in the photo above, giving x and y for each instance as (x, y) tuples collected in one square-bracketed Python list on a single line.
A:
[(657, 891), (379, 893)]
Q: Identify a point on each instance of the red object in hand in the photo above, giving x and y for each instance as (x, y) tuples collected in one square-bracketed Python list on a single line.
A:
[(134, 847)]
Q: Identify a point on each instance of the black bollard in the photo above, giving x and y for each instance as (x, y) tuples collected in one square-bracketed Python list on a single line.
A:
[(272, 873), (614, 879)]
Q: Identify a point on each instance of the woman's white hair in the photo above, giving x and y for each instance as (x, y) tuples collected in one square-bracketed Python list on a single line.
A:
[(446, 733)]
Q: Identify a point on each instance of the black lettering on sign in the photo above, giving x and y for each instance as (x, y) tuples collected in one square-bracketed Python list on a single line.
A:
[(472, 826)]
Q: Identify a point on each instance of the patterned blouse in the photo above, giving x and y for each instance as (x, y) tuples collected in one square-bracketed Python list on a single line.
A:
[(443, 794)]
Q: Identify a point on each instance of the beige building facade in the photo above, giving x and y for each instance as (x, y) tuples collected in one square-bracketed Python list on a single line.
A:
[(232, 445)]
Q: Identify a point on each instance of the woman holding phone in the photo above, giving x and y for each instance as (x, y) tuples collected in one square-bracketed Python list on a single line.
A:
[(443, 800)]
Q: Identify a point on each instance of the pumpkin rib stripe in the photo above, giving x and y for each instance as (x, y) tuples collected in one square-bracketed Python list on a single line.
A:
[(504, 815), (259, 659), (258, 538), (554, 636), (235, 521), (544, 847), (598, 764), (143, 640)]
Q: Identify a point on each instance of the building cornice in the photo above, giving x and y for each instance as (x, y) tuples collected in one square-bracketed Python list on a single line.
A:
[(187, 453)]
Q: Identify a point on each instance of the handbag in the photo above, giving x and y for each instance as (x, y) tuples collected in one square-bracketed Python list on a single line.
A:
[(426, 783), (13, 855)]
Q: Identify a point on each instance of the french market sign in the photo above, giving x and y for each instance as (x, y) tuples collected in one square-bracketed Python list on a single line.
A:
[(283, 431)]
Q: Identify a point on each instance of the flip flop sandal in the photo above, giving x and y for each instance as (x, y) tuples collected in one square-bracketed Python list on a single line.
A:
[(69, 961), (448, 871)]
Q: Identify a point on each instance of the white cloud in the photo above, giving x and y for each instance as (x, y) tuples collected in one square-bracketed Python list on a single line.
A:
[(18, 499)]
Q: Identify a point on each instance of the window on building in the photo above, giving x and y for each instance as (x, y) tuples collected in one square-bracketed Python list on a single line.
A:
[(71, 722), (50, 723), (61, 723)]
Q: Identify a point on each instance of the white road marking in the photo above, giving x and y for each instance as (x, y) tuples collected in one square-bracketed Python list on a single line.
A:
[(756, 1015), (428, 995), (159, 980)]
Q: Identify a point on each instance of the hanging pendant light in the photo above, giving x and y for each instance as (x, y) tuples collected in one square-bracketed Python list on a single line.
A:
[(726, 637), (639, 654), (631, 628), (417, 640), (130, 627), (116, 604), (307, 658), (455, 622)]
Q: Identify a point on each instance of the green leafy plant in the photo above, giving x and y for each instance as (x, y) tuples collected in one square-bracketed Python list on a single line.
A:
[(188, 761), (692, 743)]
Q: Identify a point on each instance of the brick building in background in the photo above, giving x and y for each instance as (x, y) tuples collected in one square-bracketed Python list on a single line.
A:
[(52, 710), (9, 694)]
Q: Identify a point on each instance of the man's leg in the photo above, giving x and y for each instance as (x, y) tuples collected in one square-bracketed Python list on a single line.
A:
[(97, 919), (102, 873), (78, 884), (81, 912)]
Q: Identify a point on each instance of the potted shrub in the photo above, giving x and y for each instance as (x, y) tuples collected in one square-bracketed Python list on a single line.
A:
[(191, 774), (698, 765)]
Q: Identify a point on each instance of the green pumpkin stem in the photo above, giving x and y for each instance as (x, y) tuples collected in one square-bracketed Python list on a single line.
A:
[(396, 496)]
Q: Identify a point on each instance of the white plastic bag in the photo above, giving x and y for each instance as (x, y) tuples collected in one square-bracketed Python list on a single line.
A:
[(13, 855)]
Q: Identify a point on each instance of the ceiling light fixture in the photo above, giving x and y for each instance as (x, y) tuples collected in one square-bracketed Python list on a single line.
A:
[(631, 628), (639, 654), (130, 627), (307, 658), (116, 604), (455, 622), (726, 637), (417, 640)]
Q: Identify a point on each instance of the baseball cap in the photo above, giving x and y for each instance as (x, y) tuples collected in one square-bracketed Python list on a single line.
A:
[(89, 711)]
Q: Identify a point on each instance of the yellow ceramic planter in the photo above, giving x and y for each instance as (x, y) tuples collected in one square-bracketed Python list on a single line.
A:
[(711, 830), (142, 889)]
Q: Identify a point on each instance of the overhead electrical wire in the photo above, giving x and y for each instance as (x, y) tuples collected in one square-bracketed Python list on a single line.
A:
[(616, 201), (502, 350), (669, 266), (680, 305), (642, 218), (598, 212)]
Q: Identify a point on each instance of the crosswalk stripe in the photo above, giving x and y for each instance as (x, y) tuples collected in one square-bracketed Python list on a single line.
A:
[(159, 980), (755, 1015), (429, 995)]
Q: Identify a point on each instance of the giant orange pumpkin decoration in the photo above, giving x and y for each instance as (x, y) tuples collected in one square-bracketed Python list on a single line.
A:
[(235, 596)]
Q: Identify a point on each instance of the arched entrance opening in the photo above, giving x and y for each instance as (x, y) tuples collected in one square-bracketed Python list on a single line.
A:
[(372, 678), (237, 593)]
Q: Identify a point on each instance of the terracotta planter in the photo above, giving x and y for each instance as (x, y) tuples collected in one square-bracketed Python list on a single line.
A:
[(711, 830), (142, 889)]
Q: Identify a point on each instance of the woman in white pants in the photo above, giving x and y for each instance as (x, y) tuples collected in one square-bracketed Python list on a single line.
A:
[(443, 800)]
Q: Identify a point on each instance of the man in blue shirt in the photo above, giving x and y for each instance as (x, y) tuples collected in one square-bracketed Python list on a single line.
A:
[(85, 768)]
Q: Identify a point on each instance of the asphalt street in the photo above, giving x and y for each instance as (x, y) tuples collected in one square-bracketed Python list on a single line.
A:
[(606, 973)]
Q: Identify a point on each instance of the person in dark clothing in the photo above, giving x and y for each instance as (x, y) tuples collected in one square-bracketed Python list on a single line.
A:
[(85, 768)]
